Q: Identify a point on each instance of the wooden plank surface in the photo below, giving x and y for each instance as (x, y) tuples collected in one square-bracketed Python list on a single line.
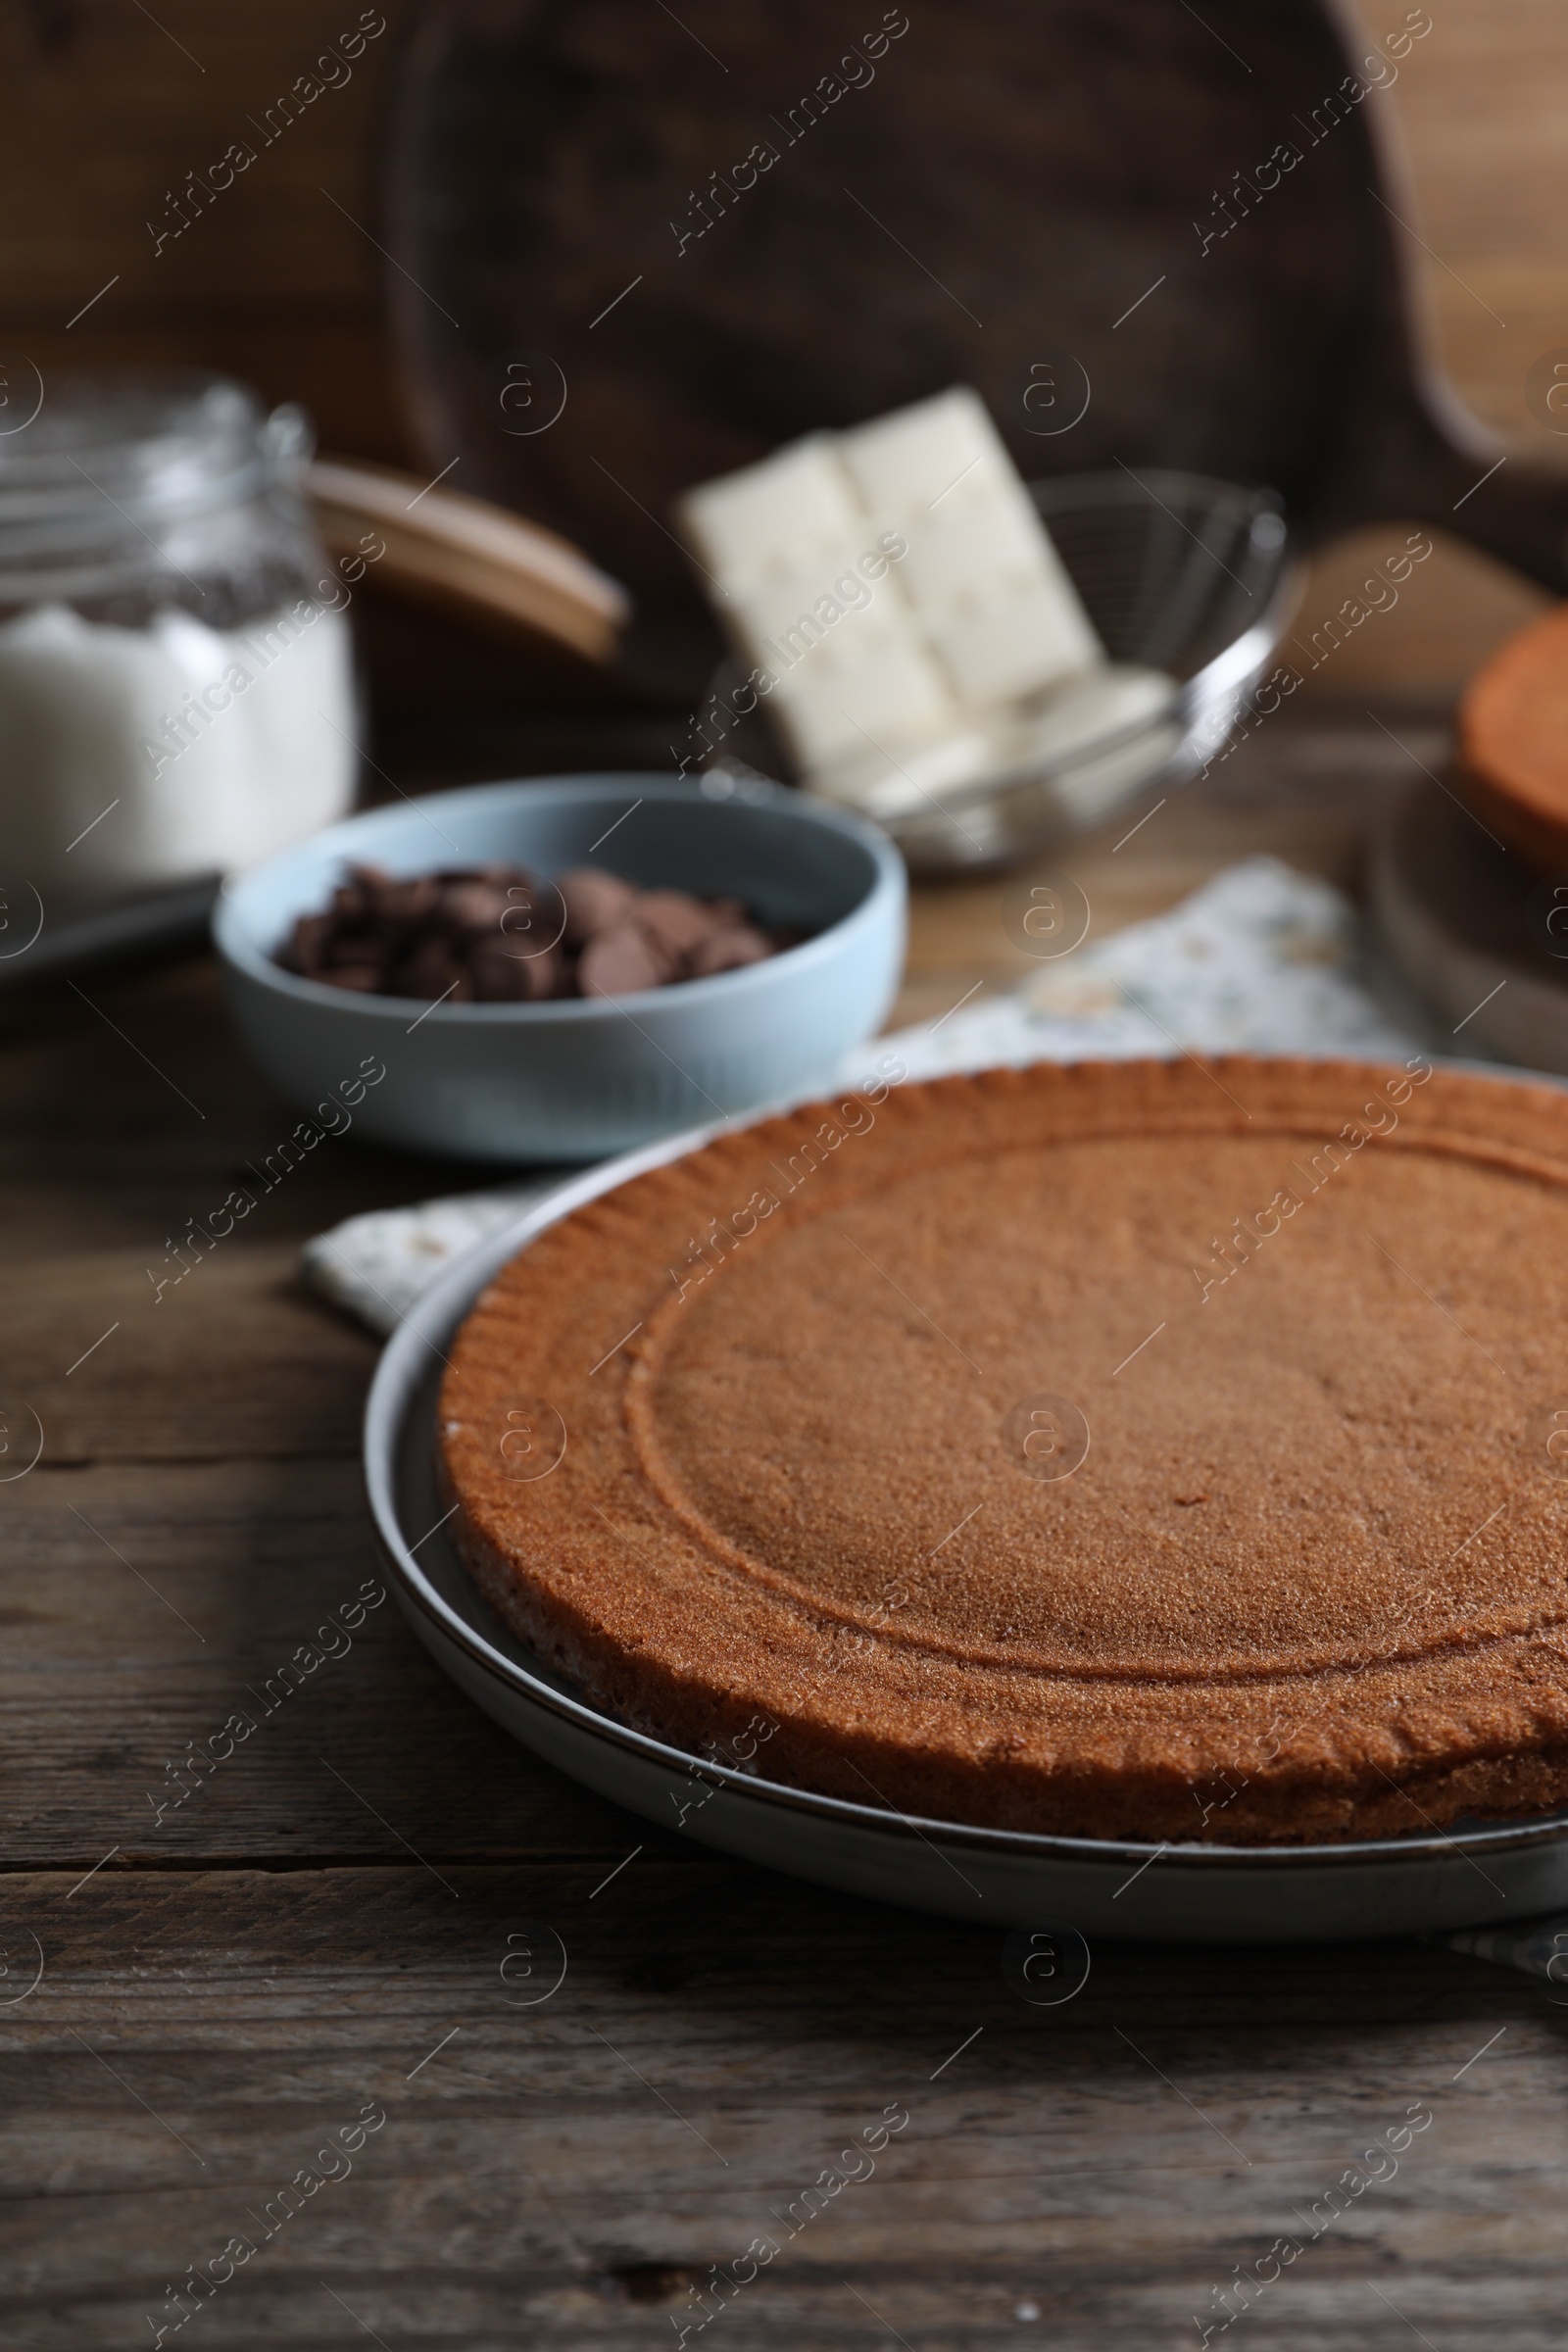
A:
[(570, 2174), (151, 1602), (324, 1922)]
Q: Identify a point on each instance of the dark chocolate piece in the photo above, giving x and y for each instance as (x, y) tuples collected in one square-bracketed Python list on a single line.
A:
[(499, 935)]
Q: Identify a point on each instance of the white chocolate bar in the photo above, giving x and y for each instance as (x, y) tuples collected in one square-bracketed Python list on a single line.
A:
[(897, 590), (794, 513)]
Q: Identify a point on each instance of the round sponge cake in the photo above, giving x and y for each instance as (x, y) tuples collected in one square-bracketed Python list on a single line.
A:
[(1514, 742), (1143, 1451)]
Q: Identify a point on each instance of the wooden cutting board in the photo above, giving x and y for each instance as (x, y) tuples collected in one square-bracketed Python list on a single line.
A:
[(1477, 931), (1179, 222), (463, 557)]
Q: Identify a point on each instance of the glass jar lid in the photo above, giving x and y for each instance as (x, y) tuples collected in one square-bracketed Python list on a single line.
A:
[(149, 444), (135, 489)]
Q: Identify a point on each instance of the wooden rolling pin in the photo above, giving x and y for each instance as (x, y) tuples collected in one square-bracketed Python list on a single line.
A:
[(467, 556)]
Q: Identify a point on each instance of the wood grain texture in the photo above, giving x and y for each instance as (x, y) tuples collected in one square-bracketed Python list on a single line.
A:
[(149, 1606), (826, 281), (99, 114), (1259, 331), (568, 2173), (102, 112), (106, 107), (476, 561), (1480, 105)]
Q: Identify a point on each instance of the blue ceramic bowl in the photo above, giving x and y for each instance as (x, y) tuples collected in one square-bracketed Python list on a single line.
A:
[(589, 1076)]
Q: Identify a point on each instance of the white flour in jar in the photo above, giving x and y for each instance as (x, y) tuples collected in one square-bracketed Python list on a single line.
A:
[(131, 756)]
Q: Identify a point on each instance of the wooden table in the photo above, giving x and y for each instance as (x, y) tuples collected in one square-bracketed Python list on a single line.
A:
[(323, 1936)]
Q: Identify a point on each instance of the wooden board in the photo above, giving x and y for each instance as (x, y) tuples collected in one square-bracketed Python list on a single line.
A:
[(465, 558), (102, 112), (717, 238), (1465, 920)]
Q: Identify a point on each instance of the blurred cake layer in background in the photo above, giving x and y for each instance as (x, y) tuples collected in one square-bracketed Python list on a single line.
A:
[(1514, 742)]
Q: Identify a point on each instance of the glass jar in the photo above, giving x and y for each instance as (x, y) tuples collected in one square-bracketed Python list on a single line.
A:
[(176, 677)]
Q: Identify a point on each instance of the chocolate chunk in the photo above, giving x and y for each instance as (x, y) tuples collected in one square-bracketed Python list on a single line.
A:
[(476, 907), (619, 961), (399, 904), (679, 922), (533, 919), (361, 894), (594, 902), (497, 977), (306, 948), (728, 949), (502, 976), (353, 947), (368, 979), (434, 972), (497, 935)]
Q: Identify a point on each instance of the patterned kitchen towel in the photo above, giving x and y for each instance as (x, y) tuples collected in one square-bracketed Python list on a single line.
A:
[(1538, 1946)]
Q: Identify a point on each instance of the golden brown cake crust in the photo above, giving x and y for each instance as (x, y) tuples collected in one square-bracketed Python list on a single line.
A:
[(1513, 741), (1280, 1556)]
